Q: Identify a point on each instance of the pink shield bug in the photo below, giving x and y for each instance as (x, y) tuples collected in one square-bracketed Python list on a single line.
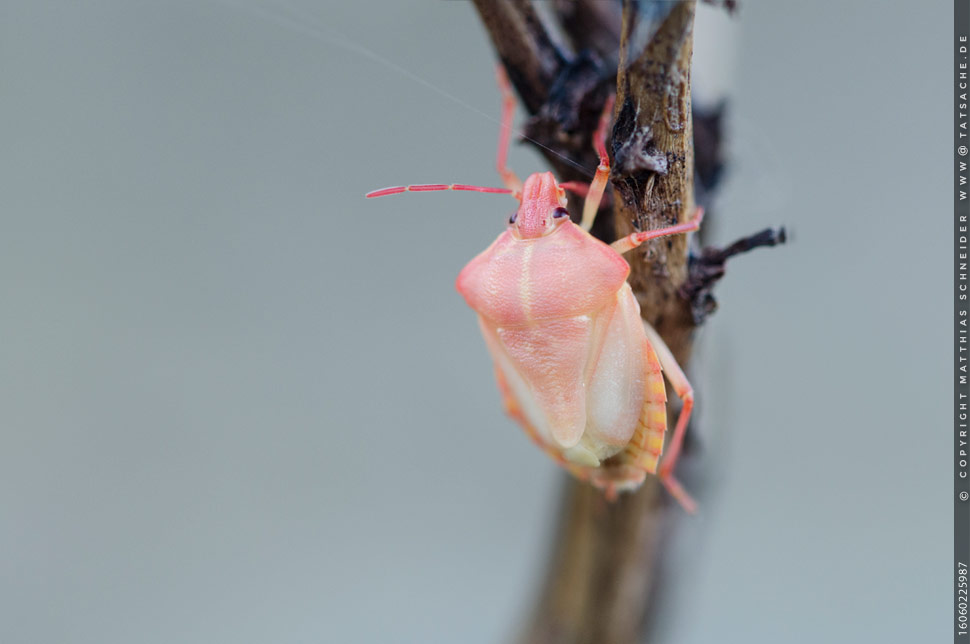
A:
[(576, 365)]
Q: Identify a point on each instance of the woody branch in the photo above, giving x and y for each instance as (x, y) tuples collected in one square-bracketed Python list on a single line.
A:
[(600, 579)]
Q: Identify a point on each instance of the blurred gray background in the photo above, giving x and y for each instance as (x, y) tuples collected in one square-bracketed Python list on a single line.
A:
[(240, 404)]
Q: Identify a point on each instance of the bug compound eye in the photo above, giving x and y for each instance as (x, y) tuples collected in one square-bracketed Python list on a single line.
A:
[(559, 213), (513, 217)]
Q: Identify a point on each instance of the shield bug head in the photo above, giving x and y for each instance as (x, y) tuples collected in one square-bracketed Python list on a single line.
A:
[(542, 209)]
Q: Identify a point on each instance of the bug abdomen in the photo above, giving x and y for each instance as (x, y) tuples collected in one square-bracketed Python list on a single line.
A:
[(621, 403)]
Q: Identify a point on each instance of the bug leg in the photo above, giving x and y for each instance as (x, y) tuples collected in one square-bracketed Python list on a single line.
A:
[(598, 185), (686, 394), (633, 240), (509, 178)]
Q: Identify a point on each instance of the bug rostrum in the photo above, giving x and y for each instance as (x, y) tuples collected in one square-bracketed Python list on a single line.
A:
[(576, 366)]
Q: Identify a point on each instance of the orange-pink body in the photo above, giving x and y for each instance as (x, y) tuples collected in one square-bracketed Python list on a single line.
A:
[(571, 356)]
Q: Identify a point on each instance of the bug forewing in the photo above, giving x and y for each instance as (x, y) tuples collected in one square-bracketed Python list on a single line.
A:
[(615, 386), (552, 357)]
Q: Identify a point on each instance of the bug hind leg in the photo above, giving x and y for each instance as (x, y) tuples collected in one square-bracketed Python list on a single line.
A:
[(643, 454)]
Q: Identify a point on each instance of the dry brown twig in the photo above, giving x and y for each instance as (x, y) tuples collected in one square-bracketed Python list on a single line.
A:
[(603, 572)]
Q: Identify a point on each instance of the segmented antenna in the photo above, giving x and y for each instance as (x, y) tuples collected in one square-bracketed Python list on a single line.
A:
[(431, 187)]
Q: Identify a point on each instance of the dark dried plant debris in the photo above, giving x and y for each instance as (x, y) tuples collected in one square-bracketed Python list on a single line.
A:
[(730, 5), (571, 112), (704, 271), (708, 148)]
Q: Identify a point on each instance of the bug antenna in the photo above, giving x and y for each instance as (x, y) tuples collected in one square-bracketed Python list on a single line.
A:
[(434, 187)]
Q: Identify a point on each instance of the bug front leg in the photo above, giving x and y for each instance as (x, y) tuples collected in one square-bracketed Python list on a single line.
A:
[(595, 195), (633, 240), (686, 394), (509, 178)]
